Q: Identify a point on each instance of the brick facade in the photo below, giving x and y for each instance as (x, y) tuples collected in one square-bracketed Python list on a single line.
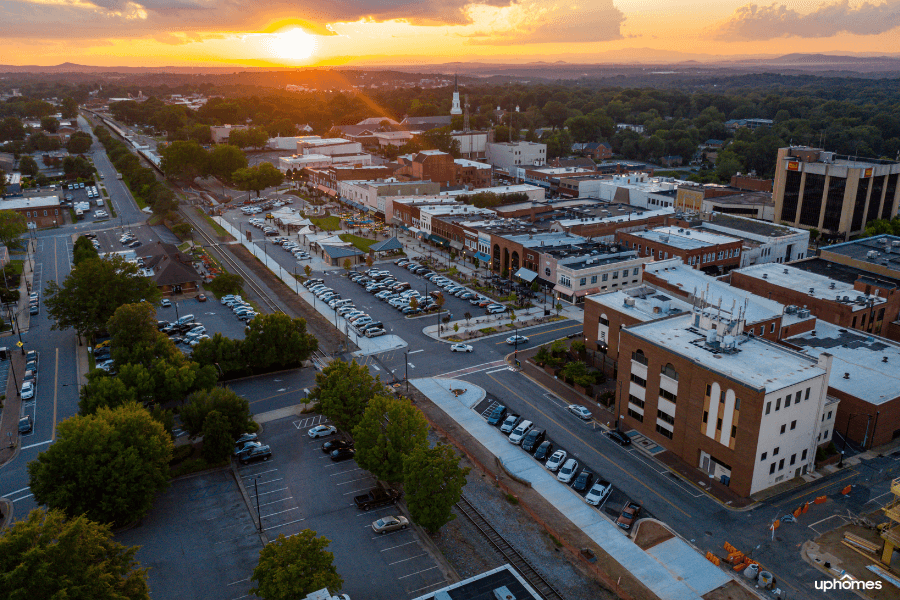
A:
[(714, 257)]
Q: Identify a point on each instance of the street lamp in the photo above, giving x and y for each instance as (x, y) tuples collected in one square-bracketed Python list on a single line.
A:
[(406, 357), (256, 491)]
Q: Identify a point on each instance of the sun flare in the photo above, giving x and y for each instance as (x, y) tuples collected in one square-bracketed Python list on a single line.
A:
[(294, 44)]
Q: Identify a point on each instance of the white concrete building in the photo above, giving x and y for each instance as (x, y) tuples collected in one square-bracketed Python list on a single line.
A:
[(763, 242), (638, 189), (509, 155), (288, 143), (328, 146), (299, 162), (472, 144)]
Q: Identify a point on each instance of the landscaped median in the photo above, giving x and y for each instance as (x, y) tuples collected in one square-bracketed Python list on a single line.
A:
[(360, 243)]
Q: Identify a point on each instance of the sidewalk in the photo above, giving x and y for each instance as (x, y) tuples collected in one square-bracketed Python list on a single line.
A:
[(525, 319)]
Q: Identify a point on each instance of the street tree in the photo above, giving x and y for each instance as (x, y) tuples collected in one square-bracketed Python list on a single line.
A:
[(78, 303), (46, 555), (257, 178), (233, 408), (369, 260), (162, 373), (50, 124), (343, 390), (69, 107), (108, 466), (307, 270), (28, 166), (433, 482), (217, 438), (222, 351), (277, 341), (225, 159), (183, 160), (293, 567), (132, 329), (348, 265), (390, 430), (78, 166), (558, 308), (414, 303), (254, 137), (225, 284), (83, 250), (79, 142), (12, 226), (103, 391), (467, 316)]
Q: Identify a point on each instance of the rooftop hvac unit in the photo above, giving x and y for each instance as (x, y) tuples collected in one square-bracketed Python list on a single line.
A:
[(765, 275), (811, 291), (837, 298), (791, 310), (803, 313), (846, 298), (831, 286), (629, 301)]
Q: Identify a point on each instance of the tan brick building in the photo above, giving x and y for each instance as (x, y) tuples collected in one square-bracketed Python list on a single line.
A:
[(710, 252)]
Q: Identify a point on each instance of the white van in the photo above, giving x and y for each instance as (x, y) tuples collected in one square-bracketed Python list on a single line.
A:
[(99, 201), (520, 432), (184, 319)]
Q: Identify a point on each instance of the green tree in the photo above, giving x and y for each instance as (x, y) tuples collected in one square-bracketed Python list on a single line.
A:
[(12, 226), (46, 555), (307, 270), (814, 234), (348, 265), (225, 284), (69, 107), (277, 341), (254, 137), (78, 166), (440, 139), (49, 124), (433, 481), (217, 438), (182, 230), (293, 567), (558, 308), (257, 178), (79, 142), (555, 113), (184, 160), (343, 390), (224, 160), (108, 466), (132, 329), (103, 391), (233, 408), (219, 350), (390, 429), (77, 304), (28, 166), (11, 128)]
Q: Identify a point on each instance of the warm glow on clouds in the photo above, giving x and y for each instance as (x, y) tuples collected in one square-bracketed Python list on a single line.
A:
[(296, 32)]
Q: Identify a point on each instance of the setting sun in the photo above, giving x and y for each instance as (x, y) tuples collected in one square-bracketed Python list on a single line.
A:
[(294, 44)]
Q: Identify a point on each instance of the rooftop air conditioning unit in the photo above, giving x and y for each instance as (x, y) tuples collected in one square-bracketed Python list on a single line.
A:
[(846, 298), (803, 313), (765, 275), (811, 291), (831, 286), (790, 310)]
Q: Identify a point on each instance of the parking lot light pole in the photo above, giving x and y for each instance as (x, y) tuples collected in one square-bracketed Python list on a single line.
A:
[(406, 357), (256, 491)]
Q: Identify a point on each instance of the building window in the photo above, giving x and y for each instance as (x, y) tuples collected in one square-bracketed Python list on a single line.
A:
[(705, 416), (708, 390), (665, 417), (604, 321), (793, 458), (662, 430), (781, 464), (582, 281), (772, 328), (803, 456), (719, 424), (734, 431), (635, 400), (56, 211), (638, 380), (615, 274), (787, 400), (783, 428), (797, 397), (829, 415), (772, 469), (593, 279), (793, 425), (45, 213), (636, 415), (764, 455), (775, 451), (777, 404), (624, 273), (807, 393), (737, 404), (670, 372), (27, 215), (768, 407), (825, 435), (668, 396), (762, 330), (637, 270), (638, 356)]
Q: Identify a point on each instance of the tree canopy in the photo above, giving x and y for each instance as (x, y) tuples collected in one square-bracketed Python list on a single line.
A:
[(343, 391), (108, 466), (293, 567), (277, 341), (12, 226), (234, 409), (433, 482), (390, 429), (83, 250), (257, 178), (46, 555)]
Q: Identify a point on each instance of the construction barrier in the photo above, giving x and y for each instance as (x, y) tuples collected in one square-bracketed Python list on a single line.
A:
[(713, 558), (798, 512), (846, 490), (820, 499), (736, 557), (805, 508), (775, 525), (729, 548)]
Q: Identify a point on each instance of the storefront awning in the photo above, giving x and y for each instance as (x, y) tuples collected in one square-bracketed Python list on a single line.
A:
[(562, 289), (593, 290), (525, 275), (483, 257), (438, 240)]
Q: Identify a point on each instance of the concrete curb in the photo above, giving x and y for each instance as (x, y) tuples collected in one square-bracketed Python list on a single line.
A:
[(8, 509), (246, 496)]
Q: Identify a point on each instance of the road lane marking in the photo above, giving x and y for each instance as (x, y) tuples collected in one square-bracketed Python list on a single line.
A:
[(37, 444), (497, 370), (548, 331), (416, 351), (594, 450)]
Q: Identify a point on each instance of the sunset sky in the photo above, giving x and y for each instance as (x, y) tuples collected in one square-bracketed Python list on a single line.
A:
[(307, 32)]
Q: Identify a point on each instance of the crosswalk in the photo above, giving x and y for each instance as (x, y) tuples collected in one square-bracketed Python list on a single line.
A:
[(476, 368)]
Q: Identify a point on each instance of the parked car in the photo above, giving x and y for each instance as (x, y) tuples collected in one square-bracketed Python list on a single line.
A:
[(533, 439), (342, 454), (321, 431), (520, 432), (246, 437), (461, 348), (26, 424), (374, 332), (165, 303), (544, 450), (201, 298), (618, 437), (389, 524), (583, 481), (630, 513), (497, 415), (599, 493), (580, 411), (375, 498), (556, 460), (568, 470), (510, 423), (262, 453), (331, 446), (241, 450)]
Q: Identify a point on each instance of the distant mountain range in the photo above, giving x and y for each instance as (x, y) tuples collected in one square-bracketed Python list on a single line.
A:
[(75, 68)]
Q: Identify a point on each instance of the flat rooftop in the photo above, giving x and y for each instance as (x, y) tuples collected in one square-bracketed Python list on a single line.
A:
[(880, 250), (29, 202), (499, 189), (817, 286), (696, 283), (685, 239), (751, 226), (840, 272), (616, 215), (482, 586), (742, 198), (757, 363), (644, 303), (590, 261), (859, 354)]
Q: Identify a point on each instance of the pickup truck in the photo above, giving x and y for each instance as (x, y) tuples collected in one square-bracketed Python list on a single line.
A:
[(630, 512), (376, 497)]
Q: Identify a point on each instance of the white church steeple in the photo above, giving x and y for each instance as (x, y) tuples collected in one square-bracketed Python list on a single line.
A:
[(456, 109)]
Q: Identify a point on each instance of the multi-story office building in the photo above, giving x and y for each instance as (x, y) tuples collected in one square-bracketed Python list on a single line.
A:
[(835, 194)]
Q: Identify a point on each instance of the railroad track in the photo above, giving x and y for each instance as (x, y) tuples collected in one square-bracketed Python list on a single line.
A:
[(519, 563), (234, 266)]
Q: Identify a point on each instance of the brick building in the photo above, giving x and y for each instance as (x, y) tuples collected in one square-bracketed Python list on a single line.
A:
[(436, 166), (710, 252), (41, 211)]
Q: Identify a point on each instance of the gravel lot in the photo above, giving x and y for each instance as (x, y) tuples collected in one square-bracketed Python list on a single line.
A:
[(470, 553)]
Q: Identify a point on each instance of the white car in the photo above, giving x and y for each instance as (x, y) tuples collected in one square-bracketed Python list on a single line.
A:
[(568, 470), (165, 303), (99, 214), (27, 391), (461, 348), (321, 431), (516, 339), (599, 493), (556, 459), (580, 411)]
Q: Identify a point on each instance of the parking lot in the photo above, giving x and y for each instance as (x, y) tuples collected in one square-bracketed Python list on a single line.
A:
[(611, 506), (79, 195), (300, 488), (212, 315)]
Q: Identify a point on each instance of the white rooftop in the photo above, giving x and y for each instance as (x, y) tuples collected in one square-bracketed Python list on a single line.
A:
[(688, 239), (463, 162), (697, 283), (325, 141), (500, 189), (793, 278), (29, 202), (757, 363), (859, 354), (643, 303), (632, 216)]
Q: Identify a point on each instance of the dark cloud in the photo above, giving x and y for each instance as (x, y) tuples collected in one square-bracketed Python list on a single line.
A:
[(754, 22)]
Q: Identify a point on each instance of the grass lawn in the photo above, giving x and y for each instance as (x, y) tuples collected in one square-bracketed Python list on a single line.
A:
[(218, 228), (331, 223), (17, 265), (183, 247), (361, 243)]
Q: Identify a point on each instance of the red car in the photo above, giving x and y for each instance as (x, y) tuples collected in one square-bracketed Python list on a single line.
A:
[(201, 298)]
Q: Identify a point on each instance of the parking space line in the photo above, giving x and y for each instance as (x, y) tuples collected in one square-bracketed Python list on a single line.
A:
[(394, 547), (342, 472), (427, 586), (280, 512), (264, 493), (360, 479), (417, 572), (271, 481), (262, 473), (23, 497), (276, 501), (367, 513), (355, 492), (239, 581), (270, 527), (406, 559)]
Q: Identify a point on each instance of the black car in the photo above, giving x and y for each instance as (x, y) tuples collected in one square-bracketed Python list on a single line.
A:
[(244, 448), (31, 366), (533, 439), (618, 437), (26, 424), (544, 451), (258, 453), (583, 481), (246, 437), (33, 309), (342, 454), (329, 447), (497, 416), (134, 244), (160, 325)]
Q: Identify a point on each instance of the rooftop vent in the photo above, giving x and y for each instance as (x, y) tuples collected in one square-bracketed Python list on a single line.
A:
[(884, 359), (803, 313), (785, 272), (831, 285), (846, 298), (811, 291), (846, 375), (765, 275)]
